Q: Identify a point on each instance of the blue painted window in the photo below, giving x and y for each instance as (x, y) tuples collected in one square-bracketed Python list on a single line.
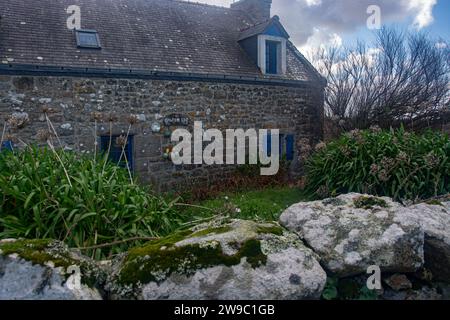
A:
[(7, 146), (88, 39), (290, 147), (282, 137), (272, 57), (269, 144), (287, 146), (115, 154)]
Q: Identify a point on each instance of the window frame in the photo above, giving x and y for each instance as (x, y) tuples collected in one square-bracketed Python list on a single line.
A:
[(87, 46), (281, 54)]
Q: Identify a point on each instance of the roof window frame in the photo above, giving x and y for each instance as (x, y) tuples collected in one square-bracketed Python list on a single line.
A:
[(84, 46)]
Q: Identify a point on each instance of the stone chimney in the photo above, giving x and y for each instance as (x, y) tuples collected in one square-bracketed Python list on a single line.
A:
[(259, 10)]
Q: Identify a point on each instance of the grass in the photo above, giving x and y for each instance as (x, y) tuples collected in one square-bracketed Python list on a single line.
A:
[(264, 205)]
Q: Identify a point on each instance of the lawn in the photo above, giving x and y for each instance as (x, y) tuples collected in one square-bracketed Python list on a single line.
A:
[(266, 205)]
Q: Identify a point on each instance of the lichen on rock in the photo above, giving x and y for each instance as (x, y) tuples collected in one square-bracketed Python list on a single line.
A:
[(354, 231), (43, 269), (369, 202), (236, 259)]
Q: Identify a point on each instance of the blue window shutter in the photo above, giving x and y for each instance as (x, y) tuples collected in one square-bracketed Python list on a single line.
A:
[(271, 57), (116, 151), (104, 142), (269, 144), (290, 147), (282, 138), (129, 152), (7, 145)]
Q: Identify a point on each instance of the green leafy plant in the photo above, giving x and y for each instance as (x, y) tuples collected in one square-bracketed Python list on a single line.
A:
[(347, 289), (398, 164), (330, 292), (85, 201)]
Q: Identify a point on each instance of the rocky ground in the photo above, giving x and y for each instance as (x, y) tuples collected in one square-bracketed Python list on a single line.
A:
[(320, 249)]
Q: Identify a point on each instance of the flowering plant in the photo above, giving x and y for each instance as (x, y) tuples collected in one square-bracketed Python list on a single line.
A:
[(392, 163)]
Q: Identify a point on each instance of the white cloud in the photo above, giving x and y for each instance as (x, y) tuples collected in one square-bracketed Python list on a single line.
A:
[(369, 56), (321, 38), (313, 23), (424, 12), (313, 2), (302, 18)]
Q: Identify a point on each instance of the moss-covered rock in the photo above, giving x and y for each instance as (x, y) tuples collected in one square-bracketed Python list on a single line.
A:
[(369, 202), (47, 269), (226, 260)]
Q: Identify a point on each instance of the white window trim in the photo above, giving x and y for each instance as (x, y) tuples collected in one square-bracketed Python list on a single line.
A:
[(262, 53)]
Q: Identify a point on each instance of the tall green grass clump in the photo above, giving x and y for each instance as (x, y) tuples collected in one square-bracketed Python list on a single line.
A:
[(84, 201), (398, 164)]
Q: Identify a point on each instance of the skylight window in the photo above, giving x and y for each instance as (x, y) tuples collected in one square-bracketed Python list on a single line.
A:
[(88, 39)]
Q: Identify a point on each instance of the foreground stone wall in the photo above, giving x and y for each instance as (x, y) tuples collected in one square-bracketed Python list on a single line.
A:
[(338, 238), (72, 101)]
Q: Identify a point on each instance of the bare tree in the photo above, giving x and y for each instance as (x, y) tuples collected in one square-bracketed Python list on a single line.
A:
[(401, 78)]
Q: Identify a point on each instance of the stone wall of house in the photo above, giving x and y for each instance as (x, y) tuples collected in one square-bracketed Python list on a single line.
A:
[(73, 100)]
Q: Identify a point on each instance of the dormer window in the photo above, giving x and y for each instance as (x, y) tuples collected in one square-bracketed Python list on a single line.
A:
[(265, 43), (87, 39)]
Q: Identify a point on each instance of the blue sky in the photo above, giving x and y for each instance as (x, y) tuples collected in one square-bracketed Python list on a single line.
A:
[(315, 23), (441, 25), (439, 28)]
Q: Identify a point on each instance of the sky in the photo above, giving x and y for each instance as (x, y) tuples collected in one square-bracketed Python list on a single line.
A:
[(315, 23)]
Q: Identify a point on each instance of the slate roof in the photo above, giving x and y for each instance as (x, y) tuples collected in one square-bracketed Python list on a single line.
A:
[(154, 35)]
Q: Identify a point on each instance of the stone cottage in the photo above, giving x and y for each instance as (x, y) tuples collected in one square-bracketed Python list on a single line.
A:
[(167, 62)]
